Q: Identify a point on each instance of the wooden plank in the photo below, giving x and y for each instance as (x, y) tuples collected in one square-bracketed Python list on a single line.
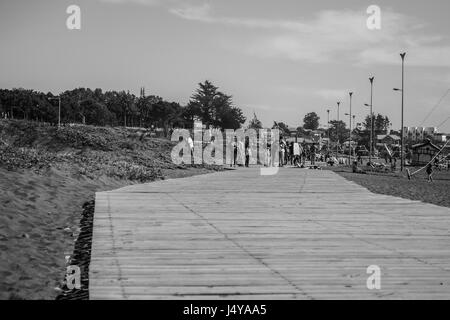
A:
[(300, 234)]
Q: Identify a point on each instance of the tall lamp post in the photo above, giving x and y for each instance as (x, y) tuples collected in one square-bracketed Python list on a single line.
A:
[(350, 135), (371, 118), (328, 127), (337, 130), (59, 109), (402, 55)]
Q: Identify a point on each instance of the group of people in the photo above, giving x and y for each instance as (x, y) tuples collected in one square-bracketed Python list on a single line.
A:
[(289, 153), (237, 146), (294, 153)]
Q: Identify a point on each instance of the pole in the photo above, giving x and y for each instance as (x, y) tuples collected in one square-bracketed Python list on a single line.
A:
[(328, 127), (59, 112), (402, 55), (350, 133), (337, 132), (371, 119)]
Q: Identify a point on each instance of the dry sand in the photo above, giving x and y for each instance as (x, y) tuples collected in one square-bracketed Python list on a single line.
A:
[(39, 223), (398, 185)]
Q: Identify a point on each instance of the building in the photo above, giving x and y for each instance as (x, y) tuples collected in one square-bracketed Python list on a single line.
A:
[(430, 131), (419, 133), (440, 137), (388, 139), (423, 153)]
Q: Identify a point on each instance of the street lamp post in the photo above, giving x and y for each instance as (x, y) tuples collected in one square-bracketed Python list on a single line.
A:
[(328, 127), (59, 109), (371, 119), (337, 130), (402, 55), (350, 135), (402, 164)]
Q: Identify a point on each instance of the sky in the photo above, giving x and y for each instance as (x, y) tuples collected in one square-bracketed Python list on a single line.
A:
[(280, 59)]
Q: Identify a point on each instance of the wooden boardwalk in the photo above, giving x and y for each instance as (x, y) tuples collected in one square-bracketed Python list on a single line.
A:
[(301, 234)]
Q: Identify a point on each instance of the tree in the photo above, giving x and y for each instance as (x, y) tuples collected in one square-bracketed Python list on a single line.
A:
[(255, 123), (311, 121), (145, 106), (284, 130), (338, 129), (95, 107), (214, 108), (381, 124)]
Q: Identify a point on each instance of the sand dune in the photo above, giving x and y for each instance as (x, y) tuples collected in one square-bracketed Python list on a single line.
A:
[(38, 226)]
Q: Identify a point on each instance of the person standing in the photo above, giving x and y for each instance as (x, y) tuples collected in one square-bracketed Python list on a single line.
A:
[(235, 152), (282, 152), (303, 154), (269, 155), (248, 154), (291, 152), (430, 172), (191, 145), (313, 154)]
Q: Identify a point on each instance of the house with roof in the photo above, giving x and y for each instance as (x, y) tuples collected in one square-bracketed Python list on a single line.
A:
[(390, 140), (423, 153)]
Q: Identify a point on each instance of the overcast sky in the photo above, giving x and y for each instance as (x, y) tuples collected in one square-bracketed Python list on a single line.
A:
[(280, 59)]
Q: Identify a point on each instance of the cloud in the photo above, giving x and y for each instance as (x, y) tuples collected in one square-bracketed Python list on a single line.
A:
[(141, 2), (334, 36), (196, 13)]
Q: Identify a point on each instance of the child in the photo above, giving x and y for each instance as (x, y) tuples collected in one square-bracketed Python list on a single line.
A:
[(430, 172)]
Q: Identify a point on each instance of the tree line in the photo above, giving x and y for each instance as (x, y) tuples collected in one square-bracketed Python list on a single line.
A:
[(122, 108)]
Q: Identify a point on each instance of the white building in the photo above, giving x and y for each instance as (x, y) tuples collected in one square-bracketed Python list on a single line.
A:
[(430, 131), (419, 133), (441, 137)]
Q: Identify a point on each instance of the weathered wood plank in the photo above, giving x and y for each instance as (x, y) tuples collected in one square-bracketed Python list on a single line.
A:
[(300, 234)]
